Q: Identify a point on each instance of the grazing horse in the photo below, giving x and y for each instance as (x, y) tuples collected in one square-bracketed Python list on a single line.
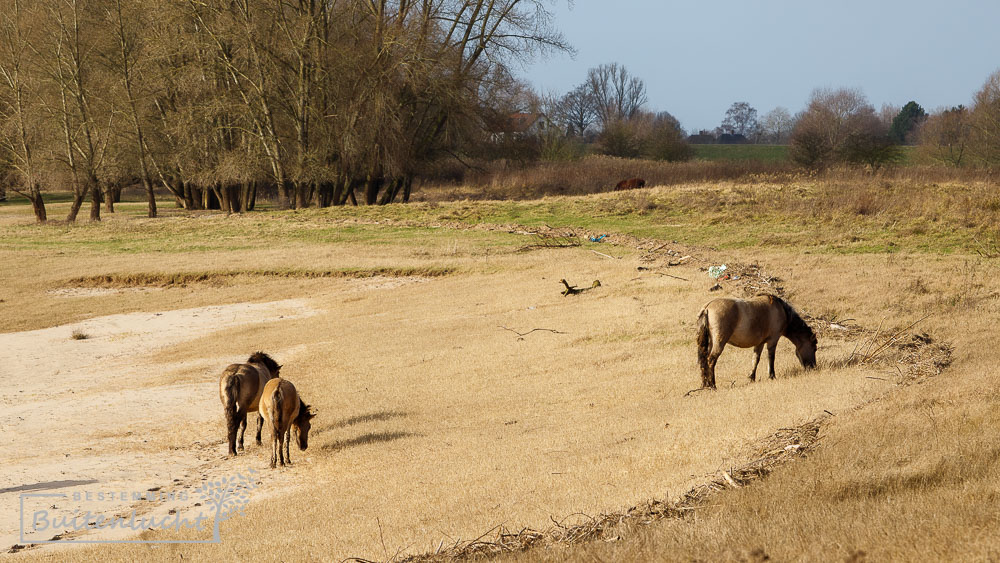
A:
[(630, 184), (281, 405), (239, 388), (751, 323)]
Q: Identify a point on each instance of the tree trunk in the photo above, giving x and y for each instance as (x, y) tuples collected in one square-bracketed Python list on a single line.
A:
[(372, 187), (339, 187), (74, 208), (109, 199), (34, 195), (406, 189), (190, 198), (37, 204), (390, 192), (150, 197), (95, 201)]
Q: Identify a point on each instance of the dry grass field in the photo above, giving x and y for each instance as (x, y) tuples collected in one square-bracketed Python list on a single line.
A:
[(438, 422)]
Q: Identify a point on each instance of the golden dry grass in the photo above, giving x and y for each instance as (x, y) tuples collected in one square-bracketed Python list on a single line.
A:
[(911, 477), (437, 424)]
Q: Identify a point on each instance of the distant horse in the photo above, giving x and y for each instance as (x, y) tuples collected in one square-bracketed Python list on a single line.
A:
[(751, 323), (630, 184), (281, 405), (239, 388)]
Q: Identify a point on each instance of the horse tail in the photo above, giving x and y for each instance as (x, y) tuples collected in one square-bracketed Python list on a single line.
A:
[(277, 409), (231, 392), (704, 344)]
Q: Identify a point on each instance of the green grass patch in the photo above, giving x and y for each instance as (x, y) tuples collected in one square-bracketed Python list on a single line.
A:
[(867, 216), (763, 153)]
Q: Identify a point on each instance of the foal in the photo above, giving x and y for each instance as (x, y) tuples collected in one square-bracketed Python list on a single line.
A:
[(283, 409)]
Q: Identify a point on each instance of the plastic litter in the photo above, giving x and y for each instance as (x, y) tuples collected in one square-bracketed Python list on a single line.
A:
[(716, 272), (597, 239)]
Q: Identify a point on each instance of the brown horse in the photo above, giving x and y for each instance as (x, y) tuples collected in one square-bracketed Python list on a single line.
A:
[(751, 323), (281, 405), (630, 184), (239, 388)]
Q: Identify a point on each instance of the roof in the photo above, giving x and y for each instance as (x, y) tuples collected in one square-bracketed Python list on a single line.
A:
[(521, 122)]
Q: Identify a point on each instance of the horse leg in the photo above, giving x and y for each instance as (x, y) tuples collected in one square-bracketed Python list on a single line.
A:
[(260, 427), (281, 451), (274, 448), (233, 430), (771, 348), (757, 350), (243, 427), (288, 442)]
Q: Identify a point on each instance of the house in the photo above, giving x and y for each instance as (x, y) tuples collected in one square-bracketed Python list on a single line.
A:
[(520, 125)]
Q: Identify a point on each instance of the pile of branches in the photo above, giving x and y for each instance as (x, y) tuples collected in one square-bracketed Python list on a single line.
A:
[(547, 237), (912, 355)]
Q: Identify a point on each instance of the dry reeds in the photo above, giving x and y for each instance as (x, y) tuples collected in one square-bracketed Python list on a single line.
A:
[(501, 180)]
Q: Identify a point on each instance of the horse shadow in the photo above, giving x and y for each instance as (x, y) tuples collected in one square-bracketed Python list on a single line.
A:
[(48, 486), (368, 437), (380, 416)]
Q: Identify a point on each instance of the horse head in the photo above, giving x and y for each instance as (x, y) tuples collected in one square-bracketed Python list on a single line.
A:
[(805, 350), (802, 335), (302, 423)]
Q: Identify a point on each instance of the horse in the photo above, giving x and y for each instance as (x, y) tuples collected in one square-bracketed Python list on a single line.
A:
[(630, 184), (239, 388), (281, 405), (751, 323)]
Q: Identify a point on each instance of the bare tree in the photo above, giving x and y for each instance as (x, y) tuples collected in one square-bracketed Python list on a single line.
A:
[(577, 111), (777, 125), (985, 120), (741, 119), (20, 111), (617, 95), (74, 42), (126, 30), (839, 124), (945, 136)]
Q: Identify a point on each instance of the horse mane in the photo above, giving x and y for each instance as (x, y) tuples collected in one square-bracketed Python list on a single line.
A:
[(797, 326), (262, 358), (303, 409)]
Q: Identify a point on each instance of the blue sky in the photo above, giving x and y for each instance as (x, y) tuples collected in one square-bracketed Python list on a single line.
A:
[(698, 57)]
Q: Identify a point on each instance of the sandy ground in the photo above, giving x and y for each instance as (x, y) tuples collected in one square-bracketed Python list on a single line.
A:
[(58, 391)]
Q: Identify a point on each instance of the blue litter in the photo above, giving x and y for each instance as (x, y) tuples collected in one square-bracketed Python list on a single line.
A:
[(597, 239)]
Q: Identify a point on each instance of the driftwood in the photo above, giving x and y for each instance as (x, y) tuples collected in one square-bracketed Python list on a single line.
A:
[(573, 290), (521, 335)]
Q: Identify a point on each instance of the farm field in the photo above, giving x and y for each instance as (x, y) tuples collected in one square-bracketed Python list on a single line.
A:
[(765, 153), (442, 416)]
